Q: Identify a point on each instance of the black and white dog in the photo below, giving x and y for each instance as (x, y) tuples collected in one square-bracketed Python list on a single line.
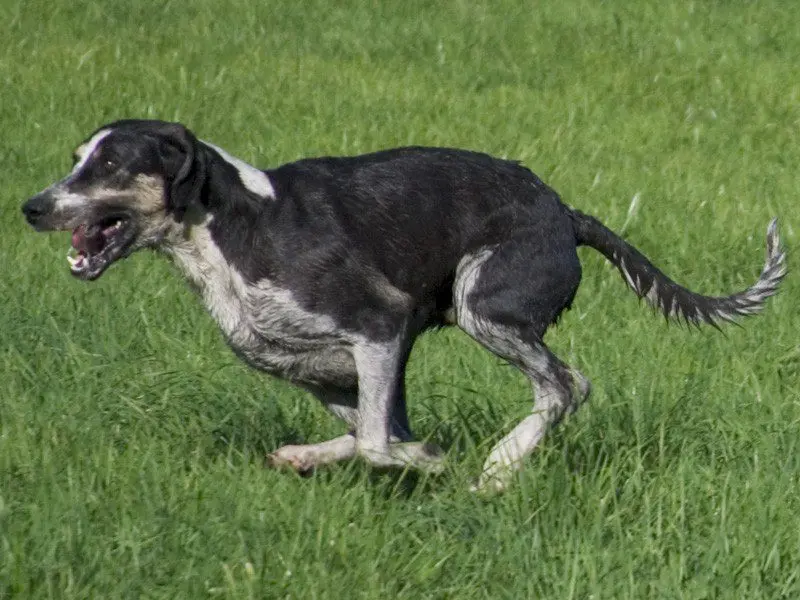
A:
[(324, 271)]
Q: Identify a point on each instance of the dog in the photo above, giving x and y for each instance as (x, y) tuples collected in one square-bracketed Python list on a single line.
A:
[(324, 271)]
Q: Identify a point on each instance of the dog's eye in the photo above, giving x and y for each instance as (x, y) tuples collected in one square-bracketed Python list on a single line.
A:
[(110, 164)]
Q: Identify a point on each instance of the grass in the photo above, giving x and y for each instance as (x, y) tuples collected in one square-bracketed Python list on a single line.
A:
[(131, 439)]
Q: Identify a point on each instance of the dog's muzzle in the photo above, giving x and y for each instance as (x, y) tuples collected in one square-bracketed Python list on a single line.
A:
[(98, 239)]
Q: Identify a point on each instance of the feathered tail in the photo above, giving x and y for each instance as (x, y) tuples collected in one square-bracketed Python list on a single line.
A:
[(673, 300)]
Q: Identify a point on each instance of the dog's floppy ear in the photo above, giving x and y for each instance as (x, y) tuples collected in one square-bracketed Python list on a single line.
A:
[(184, 166)]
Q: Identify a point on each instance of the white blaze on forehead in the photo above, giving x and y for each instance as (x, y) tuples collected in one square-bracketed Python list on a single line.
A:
[(84, 151), (252, 178)]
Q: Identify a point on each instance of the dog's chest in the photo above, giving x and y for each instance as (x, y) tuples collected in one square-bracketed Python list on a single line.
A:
[(266, 326)]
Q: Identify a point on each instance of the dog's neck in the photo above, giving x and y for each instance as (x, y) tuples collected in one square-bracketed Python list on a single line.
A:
[(236, 193), (202, 262)]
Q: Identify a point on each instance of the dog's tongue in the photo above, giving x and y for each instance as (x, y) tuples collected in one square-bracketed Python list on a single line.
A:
[(88, 244)]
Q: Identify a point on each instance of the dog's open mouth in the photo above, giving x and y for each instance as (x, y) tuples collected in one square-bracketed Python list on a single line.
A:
[(96, 246)]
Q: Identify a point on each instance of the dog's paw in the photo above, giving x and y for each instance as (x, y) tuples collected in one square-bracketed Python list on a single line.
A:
[(423, 456), (488, 487), (494, 480), (296, 458)]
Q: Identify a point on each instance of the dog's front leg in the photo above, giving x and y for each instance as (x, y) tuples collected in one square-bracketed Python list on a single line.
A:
[(381, 368), (344, 404)]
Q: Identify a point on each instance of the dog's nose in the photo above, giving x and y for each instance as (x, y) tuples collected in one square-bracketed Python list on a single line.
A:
[(35, 208)]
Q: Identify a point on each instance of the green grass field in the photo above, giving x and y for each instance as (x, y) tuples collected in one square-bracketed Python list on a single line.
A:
[(132, 440)]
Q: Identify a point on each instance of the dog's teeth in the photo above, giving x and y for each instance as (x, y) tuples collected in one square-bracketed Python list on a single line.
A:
[(118, 224), (76, 259)]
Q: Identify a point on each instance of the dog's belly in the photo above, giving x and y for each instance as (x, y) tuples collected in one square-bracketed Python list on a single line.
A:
[(329, 365)]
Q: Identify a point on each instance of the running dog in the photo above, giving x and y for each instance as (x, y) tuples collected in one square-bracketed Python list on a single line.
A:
[(324, 271)]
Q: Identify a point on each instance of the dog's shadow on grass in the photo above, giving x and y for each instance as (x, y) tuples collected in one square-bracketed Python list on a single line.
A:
[(384, 482)]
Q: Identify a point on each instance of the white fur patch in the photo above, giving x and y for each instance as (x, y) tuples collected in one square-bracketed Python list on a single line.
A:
[(627, 276), (85, 151), (466, 277), (252, 178), (502, 340), (276, 313), (376, 363), (652, 295), (65, 199), (222, 287)]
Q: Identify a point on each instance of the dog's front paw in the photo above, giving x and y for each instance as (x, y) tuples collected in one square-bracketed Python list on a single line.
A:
[(423, 456), (296, 458), (379, 458)]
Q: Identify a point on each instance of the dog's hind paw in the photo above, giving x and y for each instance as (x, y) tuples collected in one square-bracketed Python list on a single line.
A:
[(489, 486)]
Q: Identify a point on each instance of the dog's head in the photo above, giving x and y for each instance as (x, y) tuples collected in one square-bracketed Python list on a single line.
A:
[(130, 188)]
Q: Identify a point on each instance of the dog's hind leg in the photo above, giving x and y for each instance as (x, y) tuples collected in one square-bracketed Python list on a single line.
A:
[(558, 390), (505, 298)]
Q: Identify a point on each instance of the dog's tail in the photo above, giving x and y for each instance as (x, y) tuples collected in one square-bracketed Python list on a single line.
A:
[(673, 300)]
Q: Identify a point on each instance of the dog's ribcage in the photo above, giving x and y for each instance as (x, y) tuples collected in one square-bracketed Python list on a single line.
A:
[(263, 323)]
